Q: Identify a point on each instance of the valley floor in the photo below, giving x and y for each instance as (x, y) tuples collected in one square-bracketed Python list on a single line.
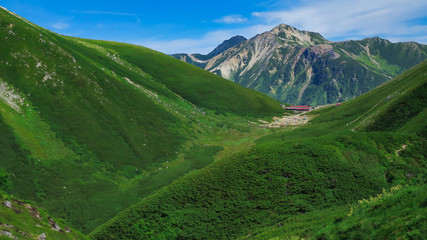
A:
[(289, 120)]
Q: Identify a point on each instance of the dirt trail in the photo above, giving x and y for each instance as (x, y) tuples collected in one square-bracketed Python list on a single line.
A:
[(293, 120)]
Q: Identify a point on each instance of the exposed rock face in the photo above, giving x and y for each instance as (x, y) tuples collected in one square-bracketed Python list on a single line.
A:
[(53, 224), (42, 236), (19, 202), (33, 211), (7, 234), (256, 50), (6, 225), (301, 67), (7, 204)]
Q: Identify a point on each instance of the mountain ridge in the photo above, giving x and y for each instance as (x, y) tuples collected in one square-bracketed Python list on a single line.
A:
[(200, 60), (233, 41), (302, 67)]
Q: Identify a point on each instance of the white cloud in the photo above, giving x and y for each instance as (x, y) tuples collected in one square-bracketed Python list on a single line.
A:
[(203, 45), (231, 19), (60, 25), (359, 18)]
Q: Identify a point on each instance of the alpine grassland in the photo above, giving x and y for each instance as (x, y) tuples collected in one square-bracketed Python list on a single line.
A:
[(22, 220), (398, 213), (319, 170), (200, 87)]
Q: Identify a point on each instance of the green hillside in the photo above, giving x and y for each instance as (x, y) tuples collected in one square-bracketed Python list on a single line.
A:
[(312, 171), (399, 106), (398, 213), (89, 127), (194, 84), (22, 220)]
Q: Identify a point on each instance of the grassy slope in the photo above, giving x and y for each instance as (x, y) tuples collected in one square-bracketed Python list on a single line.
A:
[(396, 214), (400, 214), (194, 84), (312, 168), (21, 222), (91, 133), (358, 113), (299, 226), (406, 90), (254, 189)]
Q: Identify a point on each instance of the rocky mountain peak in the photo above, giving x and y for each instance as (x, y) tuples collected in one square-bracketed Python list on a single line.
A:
[(282, 28), (287, 34)]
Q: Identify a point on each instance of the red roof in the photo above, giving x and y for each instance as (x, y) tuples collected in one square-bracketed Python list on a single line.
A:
[(304, 107)]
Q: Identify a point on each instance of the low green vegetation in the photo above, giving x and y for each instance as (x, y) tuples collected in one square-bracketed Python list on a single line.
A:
[(89, 128), (21, 220), (256, 188), (5, 184), (309, 170), (300, 226), (401, 111), (396, 214), (194, 84)]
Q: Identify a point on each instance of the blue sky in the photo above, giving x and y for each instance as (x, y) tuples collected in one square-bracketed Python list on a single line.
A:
[(173, 26)]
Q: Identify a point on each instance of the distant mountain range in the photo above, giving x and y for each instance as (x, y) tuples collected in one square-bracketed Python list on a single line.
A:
[(301, 67)]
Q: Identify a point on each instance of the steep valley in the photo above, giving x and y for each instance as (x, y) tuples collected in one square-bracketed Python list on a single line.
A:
[(317, 171), (87, 132)]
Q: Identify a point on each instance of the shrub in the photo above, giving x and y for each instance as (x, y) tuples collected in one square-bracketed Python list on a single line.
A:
[(5, 184)]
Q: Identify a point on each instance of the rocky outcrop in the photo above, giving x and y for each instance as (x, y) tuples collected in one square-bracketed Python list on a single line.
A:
[(24, 227), (53, 224), (7, 204), (33, 211), (7, 234), (42, 236)]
